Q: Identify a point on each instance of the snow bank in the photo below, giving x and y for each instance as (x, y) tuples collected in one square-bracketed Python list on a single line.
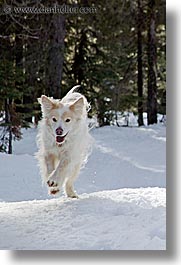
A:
[(109, 220)]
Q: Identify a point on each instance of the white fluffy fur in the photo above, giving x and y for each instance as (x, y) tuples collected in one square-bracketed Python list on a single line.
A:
[(60, 164)]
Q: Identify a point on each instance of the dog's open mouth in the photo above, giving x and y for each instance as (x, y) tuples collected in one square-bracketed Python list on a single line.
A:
[(60, 139)]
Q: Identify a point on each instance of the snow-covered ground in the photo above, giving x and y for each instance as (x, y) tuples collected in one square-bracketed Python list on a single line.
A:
[(122, 195)]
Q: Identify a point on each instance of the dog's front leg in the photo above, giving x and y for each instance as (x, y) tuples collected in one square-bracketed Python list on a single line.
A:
[(50, 164), (47, 165), (57, 177)]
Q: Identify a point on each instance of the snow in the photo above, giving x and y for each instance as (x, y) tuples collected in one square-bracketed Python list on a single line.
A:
[(122, 196)]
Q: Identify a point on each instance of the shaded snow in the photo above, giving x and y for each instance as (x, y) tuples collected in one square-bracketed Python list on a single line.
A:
[(121, 189)]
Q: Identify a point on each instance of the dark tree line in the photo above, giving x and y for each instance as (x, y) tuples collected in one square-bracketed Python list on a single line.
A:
[(116, 54)]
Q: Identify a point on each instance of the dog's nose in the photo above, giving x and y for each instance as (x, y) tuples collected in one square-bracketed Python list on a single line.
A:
[(59, 131)]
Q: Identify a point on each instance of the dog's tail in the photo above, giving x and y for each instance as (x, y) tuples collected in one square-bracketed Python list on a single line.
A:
[(74, 88), (78, 95)]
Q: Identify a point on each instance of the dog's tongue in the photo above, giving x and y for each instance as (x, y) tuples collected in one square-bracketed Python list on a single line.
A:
[(60, 139)]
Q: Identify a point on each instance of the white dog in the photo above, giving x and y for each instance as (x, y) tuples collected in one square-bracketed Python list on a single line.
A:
[(63, 140)]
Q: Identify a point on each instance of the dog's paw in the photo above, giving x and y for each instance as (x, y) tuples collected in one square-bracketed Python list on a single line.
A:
[(53, 187), (54, 191), (75, 196), (52, 183), (72, 195)]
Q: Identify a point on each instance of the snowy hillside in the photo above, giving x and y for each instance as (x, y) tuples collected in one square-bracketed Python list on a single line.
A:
[(121, 191)]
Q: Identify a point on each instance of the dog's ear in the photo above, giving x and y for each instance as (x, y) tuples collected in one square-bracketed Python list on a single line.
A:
[(45, 102), (77, 106)]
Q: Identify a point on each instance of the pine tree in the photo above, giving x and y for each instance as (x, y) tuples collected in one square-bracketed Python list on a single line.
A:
[(140, 63), (152, 65), (55, 28), (111, 53)]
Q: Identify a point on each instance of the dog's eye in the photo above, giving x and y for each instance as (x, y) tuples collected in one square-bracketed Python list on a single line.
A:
[(67, 120), (54, 119)]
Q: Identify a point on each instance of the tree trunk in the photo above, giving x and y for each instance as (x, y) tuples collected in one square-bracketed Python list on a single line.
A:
[(9, 127), (10, 146), (79, 58), (55, 55), (140, 65), (152, 86)]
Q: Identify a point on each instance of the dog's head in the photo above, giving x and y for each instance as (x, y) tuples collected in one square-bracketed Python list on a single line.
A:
[(60, 116)]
